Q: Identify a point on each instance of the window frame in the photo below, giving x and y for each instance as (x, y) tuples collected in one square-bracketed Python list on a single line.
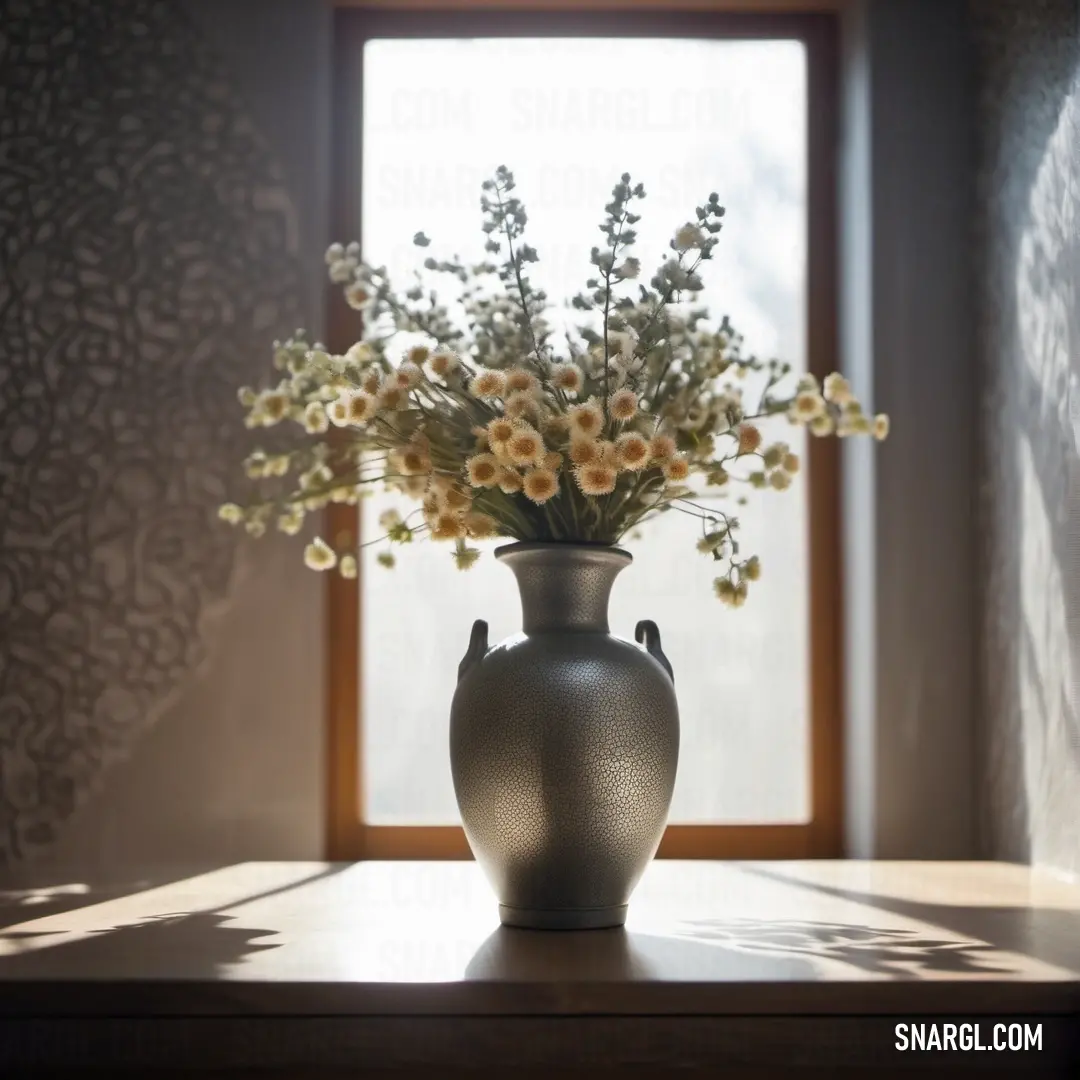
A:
[(348, 836)]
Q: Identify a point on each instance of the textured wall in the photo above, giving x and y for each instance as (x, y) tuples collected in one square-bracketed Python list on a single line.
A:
[(149, 252), (1029, 325)]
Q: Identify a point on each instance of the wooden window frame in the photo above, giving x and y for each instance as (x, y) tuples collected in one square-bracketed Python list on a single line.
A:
[(347, 835)]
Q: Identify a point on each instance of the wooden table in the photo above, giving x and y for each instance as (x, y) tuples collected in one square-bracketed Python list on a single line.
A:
[(320, 967)]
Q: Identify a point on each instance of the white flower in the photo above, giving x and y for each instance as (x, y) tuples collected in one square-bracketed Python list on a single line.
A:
[(337, 411), (540, 484), (358, 295), (623, 342), (361, 353), (255, 465), (271, 407), (509, 435), (464, 556), (316, 420), (317, 363), (837, 389), (483, 470), (624, 367), (408, 375), (292, 521), (688, 237), (724, 589), (675, 469), (488, 384), (278, 465), (623, 404), (443, 361), (774, 455), (342, 270), (597, 479), (567, 377), (807, 406), (633, 451), (319, 555), (677, 276), (317, 476)]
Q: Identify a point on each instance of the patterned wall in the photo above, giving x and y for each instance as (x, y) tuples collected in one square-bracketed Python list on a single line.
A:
[(1029, 324), (147, 258)]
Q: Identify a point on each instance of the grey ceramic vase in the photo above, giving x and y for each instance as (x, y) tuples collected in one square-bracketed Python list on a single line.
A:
[(564, 742)]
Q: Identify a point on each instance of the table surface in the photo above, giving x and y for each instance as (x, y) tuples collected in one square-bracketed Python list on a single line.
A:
[(702, 938)]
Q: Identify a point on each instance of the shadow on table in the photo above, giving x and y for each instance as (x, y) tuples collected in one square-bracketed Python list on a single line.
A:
[(30, 902), (893, 952), (186, 944), (200, 945), (619, 955), (730, 950), (1047, 934)]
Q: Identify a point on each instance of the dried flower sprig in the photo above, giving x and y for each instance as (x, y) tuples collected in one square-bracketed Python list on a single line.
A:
[(495, 433)]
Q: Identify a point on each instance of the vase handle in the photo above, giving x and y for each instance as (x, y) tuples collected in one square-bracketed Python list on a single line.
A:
[(648, 634), (478, 647)]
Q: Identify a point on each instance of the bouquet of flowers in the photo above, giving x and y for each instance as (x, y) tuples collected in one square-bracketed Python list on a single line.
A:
[(466, 402)]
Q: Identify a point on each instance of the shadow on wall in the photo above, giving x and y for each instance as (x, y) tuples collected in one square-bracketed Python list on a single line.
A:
[(1029, 284), (1048, 396), (147, 265)]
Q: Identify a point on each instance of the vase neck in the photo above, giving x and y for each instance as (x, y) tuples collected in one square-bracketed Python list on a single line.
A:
[(564, 586)]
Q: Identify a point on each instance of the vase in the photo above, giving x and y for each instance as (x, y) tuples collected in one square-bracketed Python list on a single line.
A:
[(564, 741)]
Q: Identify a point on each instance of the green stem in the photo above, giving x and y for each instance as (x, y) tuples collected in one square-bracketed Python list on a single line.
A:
[(525, 313), (607, 307)]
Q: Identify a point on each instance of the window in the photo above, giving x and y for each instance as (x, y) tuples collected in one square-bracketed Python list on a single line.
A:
[(687, 104)]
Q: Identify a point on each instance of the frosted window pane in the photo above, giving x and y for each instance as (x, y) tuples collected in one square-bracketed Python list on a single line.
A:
[(568, 116)]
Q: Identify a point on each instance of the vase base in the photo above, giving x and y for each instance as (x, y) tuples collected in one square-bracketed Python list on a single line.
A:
[(601, 918)]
